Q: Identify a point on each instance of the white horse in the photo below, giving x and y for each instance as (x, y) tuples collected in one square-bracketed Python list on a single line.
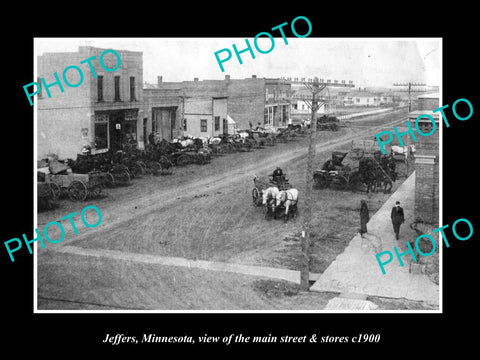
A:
[(289, 199), (214, 140), (268, 200), (269, 194), (405, 150)]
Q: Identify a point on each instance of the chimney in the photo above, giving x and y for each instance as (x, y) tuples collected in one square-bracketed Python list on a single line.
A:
[(254, 76), (195, 79), (227, 77), (159, 79)]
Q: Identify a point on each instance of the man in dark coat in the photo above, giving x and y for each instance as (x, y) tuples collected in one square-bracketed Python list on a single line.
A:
[(397, 217), (364, 217)]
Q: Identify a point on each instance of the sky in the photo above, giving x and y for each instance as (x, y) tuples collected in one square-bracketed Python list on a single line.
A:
[(365, 61)]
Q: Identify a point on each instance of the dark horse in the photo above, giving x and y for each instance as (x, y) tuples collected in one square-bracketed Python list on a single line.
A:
[(376, 172)]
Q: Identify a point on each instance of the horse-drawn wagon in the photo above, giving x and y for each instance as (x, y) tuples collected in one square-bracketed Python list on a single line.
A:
[(277, 195), (373, 172), (78, 186), (333, 172), (327, 122)]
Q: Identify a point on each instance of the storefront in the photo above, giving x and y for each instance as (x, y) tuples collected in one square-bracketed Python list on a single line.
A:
[(115, 129)]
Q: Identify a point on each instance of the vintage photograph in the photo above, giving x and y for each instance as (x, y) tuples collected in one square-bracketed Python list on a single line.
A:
[(302, 179)]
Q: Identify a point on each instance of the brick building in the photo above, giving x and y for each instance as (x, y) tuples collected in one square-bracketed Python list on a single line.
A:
[(102, 113), (278, 93), (210, 107), (113, 109), (427, 161)]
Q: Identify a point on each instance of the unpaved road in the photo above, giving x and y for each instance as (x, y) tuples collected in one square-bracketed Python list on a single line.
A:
[(203, 212)]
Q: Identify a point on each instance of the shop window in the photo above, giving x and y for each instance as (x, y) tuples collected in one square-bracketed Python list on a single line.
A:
[(117, 88), (131, 132), (132, 88), (101, 131), (100, 88), (203, 125)]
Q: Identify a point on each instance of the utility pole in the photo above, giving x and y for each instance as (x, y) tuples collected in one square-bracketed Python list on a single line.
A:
[(316, 86), (410, 84), (307, 227)]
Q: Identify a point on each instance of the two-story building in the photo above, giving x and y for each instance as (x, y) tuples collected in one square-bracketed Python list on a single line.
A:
[(103, 112)]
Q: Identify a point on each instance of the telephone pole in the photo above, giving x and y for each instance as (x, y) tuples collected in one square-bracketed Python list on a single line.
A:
[(410, 84), (307, 226), (316, 86)]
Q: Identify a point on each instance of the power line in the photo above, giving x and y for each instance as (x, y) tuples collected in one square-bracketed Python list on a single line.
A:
[(410, 90)]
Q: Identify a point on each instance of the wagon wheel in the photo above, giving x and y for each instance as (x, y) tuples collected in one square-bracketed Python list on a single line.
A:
[(183, 160), (320, 180), (154, 167), (136, 170), (109, 180), (122, 177), (95, 191), (257, 199), (77, 190), (166, 166), (200, 159), (145, 168), (56, 190), (342, 182)]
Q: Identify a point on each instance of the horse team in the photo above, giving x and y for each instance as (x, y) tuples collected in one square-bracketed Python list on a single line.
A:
[(278, 198)]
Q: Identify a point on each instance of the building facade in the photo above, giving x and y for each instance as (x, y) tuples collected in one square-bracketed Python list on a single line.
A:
[(278, 93), (102, 112), (205, 108), (364, 98), (110, 109), (427, 160)]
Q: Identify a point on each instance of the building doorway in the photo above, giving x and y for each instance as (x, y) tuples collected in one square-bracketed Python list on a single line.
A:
[(117, 123), (164, 122)]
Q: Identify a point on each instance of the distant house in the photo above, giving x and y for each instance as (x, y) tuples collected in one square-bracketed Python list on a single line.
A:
[(300, 104), (364, 98)]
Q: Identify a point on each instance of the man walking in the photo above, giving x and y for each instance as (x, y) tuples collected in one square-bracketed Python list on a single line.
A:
[(397, 217)]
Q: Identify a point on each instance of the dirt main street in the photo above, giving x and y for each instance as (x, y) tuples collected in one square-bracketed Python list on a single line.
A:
[(206, 212)]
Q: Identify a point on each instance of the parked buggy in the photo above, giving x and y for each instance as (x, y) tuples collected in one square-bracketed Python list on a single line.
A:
[(78, 186), (333, 172)]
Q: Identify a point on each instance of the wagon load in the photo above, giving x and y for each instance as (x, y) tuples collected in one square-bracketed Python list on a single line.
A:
[(56, 167), (333, 172)]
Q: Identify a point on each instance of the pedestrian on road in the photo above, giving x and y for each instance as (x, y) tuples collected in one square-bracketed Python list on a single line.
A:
[(398, 218), (364, 217)]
